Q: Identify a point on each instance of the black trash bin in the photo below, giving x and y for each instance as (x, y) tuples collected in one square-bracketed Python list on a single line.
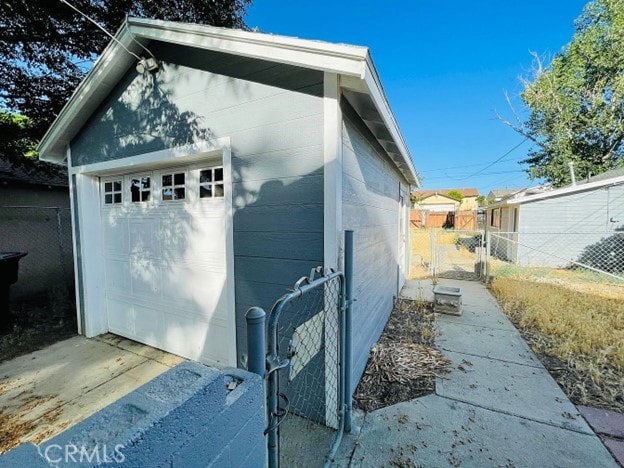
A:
[(9, 265)]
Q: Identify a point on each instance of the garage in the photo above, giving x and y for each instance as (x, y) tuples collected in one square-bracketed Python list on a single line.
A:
[(165, 261), (213, 181)]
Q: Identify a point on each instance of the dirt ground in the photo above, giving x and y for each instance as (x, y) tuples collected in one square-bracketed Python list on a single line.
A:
[(404, 363), (39, 322)]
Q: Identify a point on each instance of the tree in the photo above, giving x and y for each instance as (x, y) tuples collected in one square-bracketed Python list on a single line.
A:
[(46, 48), (455, 195), (482, 201), (576, 103)]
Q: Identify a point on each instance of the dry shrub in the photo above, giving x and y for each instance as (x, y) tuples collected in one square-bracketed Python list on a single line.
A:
[(579, 323)]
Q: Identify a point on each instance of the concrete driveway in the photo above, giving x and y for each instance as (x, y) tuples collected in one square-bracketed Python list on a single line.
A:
[(47, 391)]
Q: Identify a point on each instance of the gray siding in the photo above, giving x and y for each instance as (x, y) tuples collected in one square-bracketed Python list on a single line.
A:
[(556, 230), (273, 115), (371, 209)]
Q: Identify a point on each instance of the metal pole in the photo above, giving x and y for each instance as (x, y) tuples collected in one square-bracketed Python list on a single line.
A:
[(488, 246), (432, 252), (256, 346), (348, 263), (59, 234)]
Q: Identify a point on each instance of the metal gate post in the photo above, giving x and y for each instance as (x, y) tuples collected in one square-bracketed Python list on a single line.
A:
[(488, 246), (256, 359), (432, 259), (348, 264)]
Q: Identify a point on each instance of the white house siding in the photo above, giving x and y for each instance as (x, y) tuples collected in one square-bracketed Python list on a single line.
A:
[(505, 237), (273, 116), (556, 230), (371, 209)]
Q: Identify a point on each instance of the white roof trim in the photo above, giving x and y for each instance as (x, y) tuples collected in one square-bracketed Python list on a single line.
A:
[(571, 189), (345, 60)]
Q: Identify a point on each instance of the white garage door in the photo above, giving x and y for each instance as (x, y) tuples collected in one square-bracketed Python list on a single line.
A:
[(165, 260)]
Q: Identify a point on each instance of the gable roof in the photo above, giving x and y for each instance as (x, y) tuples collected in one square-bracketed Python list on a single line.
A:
[(502, 193), (358, 78), (466, 192), (617, 172), (34, 173), (532, 196)]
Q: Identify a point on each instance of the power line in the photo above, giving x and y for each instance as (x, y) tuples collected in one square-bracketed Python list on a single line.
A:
[(484, 174), (498, 159), (438, 169), (84, 15)]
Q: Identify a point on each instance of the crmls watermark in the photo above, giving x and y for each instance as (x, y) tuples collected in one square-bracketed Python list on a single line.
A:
[(70, 453)]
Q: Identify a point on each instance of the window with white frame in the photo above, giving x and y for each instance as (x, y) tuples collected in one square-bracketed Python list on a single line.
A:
[(173, 186), (211, 182), (113, 192), (140, 189)]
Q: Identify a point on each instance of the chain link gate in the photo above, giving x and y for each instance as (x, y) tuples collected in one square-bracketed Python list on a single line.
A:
[(307, 365), (458, 254)]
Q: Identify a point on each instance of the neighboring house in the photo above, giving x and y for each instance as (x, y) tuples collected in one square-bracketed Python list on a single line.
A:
[(440, 201), (213, 183), (551, 227), (34, 218), (496, 195), (439, 208)]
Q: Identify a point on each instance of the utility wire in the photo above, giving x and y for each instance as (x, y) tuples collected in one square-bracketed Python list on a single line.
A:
[(102, 28), (497, 159)]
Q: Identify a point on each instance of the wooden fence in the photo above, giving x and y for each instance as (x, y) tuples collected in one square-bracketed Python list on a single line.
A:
[(459, 220)]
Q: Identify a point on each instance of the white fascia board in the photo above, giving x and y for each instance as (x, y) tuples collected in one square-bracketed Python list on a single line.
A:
[(337, 58), (570, 190), (375, 90)]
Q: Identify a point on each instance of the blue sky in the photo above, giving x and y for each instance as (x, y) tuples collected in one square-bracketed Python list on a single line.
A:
[(445, 66)]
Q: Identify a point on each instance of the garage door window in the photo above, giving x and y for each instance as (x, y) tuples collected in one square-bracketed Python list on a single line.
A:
[(140, 189), (112, 192), (211, 182), (173, 186)]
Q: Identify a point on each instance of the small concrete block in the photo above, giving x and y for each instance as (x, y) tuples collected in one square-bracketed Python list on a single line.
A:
[(604, 421), (24, 455), (447, 300), (616, 447)]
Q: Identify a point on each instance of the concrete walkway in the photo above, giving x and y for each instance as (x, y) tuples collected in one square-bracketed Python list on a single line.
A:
[(497, 407)]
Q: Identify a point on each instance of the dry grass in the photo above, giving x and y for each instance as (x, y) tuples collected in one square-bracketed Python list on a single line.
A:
[(582, 334)]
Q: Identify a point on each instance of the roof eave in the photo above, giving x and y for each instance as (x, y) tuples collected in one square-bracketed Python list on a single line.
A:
[(571, 190), (376, 91), (345, 60)]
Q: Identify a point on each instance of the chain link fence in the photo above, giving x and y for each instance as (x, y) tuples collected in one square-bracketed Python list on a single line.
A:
[(45, 286), (447, 253), (564, 256), (305, 399)]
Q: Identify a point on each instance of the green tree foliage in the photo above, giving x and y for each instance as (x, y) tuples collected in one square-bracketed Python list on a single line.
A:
[(20, 142), (481, 200), (46, 48), (576, 104), (455, 195)]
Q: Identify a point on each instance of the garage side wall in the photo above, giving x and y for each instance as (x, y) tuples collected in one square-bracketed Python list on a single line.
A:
[(272, 114), (556, 229), (370, 204)]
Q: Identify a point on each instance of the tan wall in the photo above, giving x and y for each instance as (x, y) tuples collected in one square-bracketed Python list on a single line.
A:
[(469, 204), (436, 200)]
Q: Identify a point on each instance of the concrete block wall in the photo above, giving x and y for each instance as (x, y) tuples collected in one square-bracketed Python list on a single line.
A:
[(189, 416)]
